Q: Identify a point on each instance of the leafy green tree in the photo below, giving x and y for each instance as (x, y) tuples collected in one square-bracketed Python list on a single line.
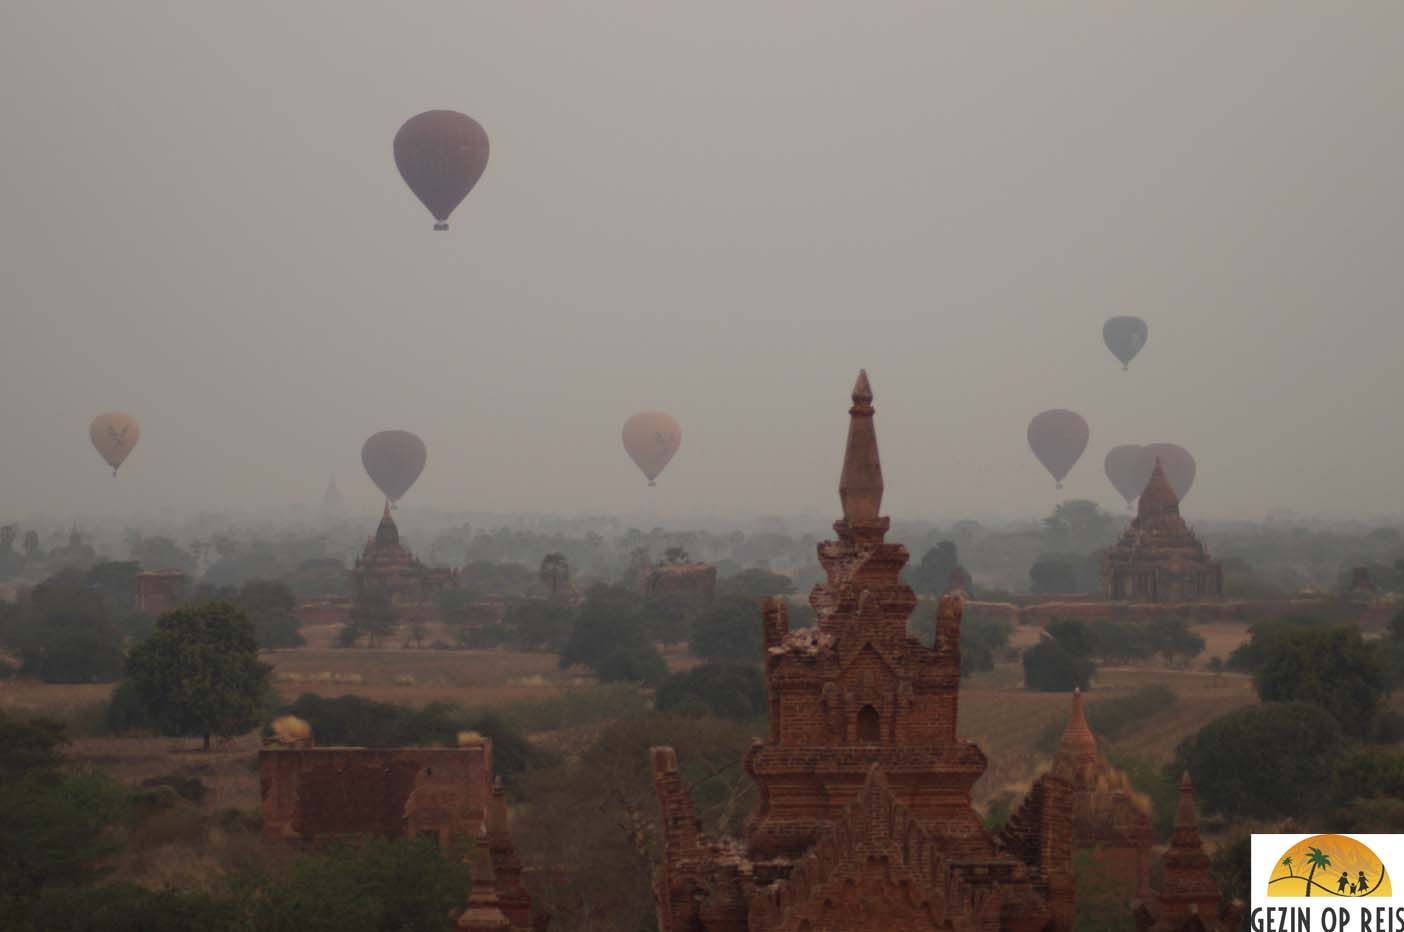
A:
[(199, 673), (161, 553), (126, 907), (932, 575), (1079, 525), (980, 638), (554, 571), (755, 584), (1334, 668), (609, 620), (1055, 575), (372, 617), (1368, 772), (488, 578), (538, 624), (1267, 762), (639, 663), (1316, 858), (1050, 667), (54, 821), (1249, 656), (726, 690), (667, 616), (63, 634), (729, 630), (1173, 640), (1073, 636), (270, 607)]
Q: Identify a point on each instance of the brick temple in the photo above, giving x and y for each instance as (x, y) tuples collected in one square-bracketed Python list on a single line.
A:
[(387, 565), (864, 818), (1158, 558)]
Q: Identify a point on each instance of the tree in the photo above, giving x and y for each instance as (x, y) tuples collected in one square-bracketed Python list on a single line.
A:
[(1317, 858), (1287, 863), (539, 625), (1172, 639), (1049, 667), (63, 635), (1073, 636), (932, 575), (729, 630), (199, 672), (726, 690), (1080, 525), (32, 553), (161, 553), (1331, 667), (609, 620), (755, 584), (554, 571), (372, 617), (1055, 574), (637, 663), (270, 606), (1266, 762)]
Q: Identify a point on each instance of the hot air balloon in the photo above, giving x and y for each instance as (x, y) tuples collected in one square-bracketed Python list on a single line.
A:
[(394, 459), (1058, 438), (651, 438), (1129, 467), (1125, 336), (114, 434), (441, 154), (1178, 465)]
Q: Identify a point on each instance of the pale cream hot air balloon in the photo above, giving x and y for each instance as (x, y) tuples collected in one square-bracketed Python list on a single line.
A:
[(114, 434), (651, 438)]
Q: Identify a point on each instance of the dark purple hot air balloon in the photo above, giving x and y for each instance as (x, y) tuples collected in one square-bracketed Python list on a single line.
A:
[(394, 459), (1129, 467), (441, 154), (1058, 438), (1178, 465)]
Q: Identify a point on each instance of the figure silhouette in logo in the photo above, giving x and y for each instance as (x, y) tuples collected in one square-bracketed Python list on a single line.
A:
[(1341, 884), (1363, 884)]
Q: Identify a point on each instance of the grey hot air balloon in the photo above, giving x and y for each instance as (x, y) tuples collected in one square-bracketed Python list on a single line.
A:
[(1125, 336), (1058, 438)]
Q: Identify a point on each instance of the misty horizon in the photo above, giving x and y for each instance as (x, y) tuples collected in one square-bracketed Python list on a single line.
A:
[(721, 213)]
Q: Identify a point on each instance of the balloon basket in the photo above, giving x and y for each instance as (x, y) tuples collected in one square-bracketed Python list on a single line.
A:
[(1059, 486), (651, 483), (441, 227)]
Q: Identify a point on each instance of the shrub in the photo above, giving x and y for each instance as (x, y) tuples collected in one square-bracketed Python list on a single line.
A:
[(734, 691), (640, 663), (1049, 667)]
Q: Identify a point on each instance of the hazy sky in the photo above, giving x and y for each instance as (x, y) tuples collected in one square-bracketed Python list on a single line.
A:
[(721, 210)]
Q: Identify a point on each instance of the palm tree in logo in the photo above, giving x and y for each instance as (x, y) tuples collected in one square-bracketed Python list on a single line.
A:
[(1317, 858), (1287, 863)]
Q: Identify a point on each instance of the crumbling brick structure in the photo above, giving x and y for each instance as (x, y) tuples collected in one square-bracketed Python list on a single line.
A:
[(864, 819), (1159, 559), (160, 592), (313, 794), (1111, 822)]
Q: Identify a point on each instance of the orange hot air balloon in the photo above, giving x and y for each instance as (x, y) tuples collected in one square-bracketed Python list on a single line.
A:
[(651, 438), (441, 154), (114, 434), (394, 459), (1178, 465), (1058, 438)]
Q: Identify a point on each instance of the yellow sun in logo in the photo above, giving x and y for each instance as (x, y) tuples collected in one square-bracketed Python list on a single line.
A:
[(1328, 865)]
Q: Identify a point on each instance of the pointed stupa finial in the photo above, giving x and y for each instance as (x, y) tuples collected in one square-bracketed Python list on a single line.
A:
[(1078, 747), (860, 485), (1186, 815), (1159, 497)]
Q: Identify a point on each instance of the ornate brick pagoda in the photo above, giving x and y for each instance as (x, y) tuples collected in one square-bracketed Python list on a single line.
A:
[(1159, 559), (1188, 900), (386, 565), (1110, 821), (864, 819)]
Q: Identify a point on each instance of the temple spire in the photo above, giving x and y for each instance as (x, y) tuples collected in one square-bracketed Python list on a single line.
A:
[(1159, 497), (860, 485), (1078, 748)]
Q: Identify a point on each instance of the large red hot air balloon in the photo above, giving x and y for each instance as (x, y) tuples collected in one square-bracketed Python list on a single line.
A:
[(651, 438), (394, 459), (1129, 467), (1058, 438), (1178, 465), (441, 154)]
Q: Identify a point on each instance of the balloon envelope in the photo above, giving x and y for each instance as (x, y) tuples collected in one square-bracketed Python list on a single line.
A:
[(1179, 466), (441, 154), (1058, 438), (114, 434), (651, 438), (1125, 336), (394, 459), (1129, 468)]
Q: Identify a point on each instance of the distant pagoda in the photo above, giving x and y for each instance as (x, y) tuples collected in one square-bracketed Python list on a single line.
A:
[(1158, 558)]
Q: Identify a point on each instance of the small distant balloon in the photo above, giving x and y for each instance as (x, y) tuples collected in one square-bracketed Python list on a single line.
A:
[(651, 438), (1129, 468), (1178, 465), (394, 459), (1125, 336), (114, 434), (1058, 438), (441, 154)]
